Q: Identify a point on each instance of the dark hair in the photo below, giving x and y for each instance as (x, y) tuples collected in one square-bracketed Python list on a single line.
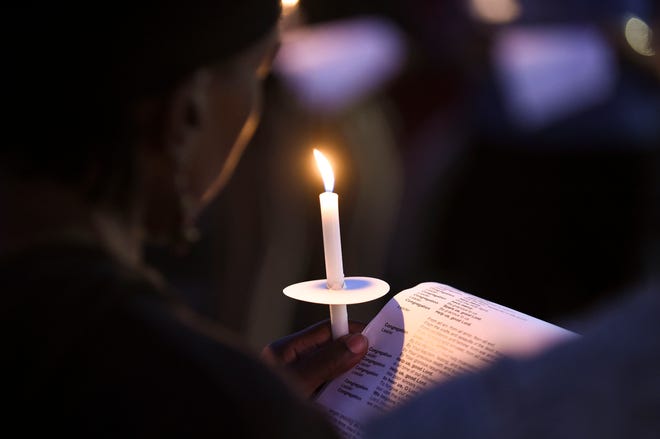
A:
[(70, 74)]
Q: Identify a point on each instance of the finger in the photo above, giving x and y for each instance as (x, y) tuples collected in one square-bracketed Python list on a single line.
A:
[(290, 348), (330, 361), (295, 346), (311, 338), (355, 327)]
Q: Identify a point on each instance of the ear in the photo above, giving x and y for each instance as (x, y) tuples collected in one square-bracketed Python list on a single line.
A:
[(184, 110), (168, 124), (168, 128)]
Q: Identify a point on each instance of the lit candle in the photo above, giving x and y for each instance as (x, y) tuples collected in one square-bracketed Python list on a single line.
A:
[(288, 6), (334, 267)]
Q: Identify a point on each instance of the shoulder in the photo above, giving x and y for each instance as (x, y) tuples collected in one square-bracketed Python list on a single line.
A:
[(96, 348), (181, 370)]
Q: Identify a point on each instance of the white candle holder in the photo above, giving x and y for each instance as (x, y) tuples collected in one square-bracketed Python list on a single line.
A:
[(356, 290)]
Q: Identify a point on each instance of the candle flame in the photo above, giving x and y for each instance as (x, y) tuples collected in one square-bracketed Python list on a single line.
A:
[(326, 170), (289, 6)]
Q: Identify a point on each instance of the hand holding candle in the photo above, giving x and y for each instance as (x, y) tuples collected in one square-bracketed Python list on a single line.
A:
[(335, 290), (334, 268)]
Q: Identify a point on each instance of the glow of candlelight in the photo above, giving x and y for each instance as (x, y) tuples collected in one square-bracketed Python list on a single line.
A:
[(326, 170)]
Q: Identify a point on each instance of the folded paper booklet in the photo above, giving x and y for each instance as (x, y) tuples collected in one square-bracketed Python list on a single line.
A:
[(423, 336)]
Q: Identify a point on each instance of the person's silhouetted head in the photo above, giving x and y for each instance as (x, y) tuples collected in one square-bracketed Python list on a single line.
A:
[(141, 109)]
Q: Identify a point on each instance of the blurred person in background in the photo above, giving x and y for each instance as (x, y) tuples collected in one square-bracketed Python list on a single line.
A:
[(538, 120), (123, 124), (604, 384)]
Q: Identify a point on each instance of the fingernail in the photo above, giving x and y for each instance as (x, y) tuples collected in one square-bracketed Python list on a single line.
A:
[(357, 343)]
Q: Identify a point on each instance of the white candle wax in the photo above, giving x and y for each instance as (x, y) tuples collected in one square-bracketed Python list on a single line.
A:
[(338, 321), (334, 267)]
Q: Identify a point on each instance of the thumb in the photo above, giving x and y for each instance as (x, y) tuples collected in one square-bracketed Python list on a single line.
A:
[(330, 361)]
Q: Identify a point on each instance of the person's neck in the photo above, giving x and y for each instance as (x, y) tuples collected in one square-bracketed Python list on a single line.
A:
[(34, 213)]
